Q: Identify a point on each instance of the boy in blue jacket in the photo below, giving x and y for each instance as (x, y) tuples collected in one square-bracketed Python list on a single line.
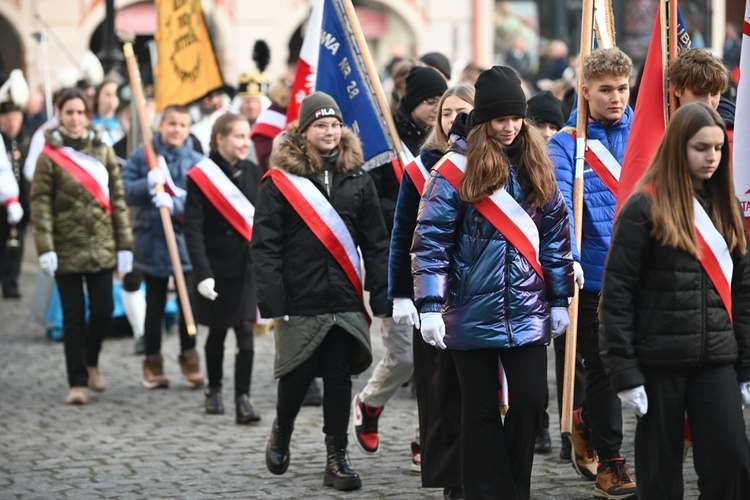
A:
[(597, 425)]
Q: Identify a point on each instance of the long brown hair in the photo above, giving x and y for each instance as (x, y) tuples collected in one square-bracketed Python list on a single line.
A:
[(669, 181), (223, 126), (438, 139), (488, 166)]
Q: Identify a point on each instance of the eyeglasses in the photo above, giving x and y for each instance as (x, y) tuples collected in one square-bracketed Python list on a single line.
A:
[(432, 101), (323, 127)]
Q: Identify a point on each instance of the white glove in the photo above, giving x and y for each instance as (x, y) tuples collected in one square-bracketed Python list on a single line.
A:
[(124, 262), (155, 176), (48, 263), (636, 399), (405, 312), (206, 288), (433, 328), (559, 321), (578, 274), (15, 212), (745, 392), (163, 200)]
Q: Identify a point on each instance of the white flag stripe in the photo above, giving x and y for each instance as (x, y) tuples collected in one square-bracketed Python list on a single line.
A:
[(178, 192), (714, 240), (605, 157)]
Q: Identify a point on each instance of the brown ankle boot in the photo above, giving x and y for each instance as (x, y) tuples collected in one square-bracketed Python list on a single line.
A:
[(153, 373), (97, 383), (190, 364)]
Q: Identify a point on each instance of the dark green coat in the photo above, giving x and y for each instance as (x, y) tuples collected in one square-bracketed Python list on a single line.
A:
[(68, 220)]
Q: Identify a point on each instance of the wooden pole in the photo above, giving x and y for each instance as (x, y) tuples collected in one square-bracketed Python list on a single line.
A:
[(571, 348), (153, 162), (372, 72), (672, 28)]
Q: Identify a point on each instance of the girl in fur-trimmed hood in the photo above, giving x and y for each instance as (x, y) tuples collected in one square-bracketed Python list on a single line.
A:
[(321, 327)]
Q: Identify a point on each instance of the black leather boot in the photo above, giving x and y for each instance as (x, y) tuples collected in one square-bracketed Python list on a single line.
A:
[(214, 403), (244, 411), (277, 451), (339, 473)]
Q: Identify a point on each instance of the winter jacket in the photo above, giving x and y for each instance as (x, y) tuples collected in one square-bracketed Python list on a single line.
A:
[(68, 220), (218, 251), (660, 310), (295, 273), (400, 284), (489, 294), (151, 254), (598, 201)]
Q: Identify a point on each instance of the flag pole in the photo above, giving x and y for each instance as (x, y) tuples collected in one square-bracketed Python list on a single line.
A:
[(166, 217), (672, 28), (571, 348), (374, 78)]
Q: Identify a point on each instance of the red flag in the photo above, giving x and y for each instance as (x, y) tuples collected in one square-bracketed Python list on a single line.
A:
[(651, 112), (742, 122)]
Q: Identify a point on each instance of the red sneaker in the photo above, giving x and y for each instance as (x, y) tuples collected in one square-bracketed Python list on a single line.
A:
[(365, 425)]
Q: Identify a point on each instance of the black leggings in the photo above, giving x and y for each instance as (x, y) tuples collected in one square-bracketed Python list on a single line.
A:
[(156, 299), (331, 360), (243, 359)]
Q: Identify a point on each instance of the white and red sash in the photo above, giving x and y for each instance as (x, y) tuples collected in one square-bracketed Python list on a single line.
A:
[(88, 171), (269, 124), (417, 173), (604, 165), (224, 196), (501, 210), (715, 257), (325, 223)]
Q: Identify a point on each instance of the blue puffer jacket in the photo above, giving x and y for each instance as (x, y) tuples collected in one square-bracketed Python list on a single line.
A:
[(489, 294), (598, 201), (150, 253), (400, 284)]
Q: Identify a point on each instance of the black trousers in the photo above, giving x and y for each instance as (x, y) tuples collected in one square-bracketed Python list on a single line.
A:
[(721, 450), (439, 406), (602, 409), (10, 258), (83, 341), (331, 360), (156, 299), (497, 456), (243, 358), (579, 390)]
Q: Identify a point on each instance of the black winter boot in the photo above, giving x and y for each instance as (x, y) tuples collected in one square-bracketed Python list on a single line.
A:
[(339, 473), (244, 411), (214, 403), (277, 451)]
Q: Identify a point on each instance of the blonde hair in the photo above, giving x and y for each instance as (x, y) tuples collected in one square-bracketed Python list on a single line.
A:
[(669, 181), (438, 138), (606, 62), (488, 166)]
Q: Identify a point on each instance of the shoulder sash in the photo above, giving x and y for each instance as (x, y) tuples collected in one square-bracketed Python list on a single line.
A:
[(88, 171)]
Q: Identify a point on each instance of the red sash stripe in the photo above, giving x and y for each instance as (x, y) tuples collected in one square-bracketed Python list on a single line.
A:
[(220, 202), (711, 265), (80, 175), (601, 171), (416, 172)]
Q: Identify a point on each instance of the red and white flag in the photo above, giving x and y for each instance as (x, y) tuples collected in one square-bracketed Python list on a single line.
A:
[(741, 151), (307, 65)]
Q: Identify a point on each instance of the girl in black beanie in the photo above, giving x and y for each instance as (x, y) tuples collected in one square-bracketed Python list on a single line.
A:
[(486, 292)]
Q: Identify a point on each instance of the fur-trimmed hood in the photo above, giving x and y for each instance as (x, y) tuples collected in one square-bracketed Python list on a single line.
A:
[(291, 154), (57, 138)]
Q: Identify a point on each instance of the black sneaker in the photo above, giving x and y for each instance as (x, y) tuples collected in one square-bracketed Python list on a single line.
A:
[(365, 425)]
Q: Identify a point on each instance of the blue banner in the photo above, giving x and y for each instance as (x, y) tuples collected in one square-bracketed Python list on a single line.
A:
[(341, 73)]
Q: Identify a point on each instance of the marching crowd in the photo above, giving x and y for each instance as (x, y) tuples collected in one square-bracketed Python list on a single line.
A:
[(468, 254)]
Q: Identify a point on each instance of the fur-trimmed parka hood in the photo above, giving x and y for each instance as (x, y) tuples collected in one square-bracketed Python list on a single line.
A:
[(57, 138), (290, 153)]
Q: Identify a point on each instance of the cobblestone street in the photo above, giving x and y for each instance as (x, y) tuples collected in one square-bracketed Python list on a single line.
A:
[(130, 442)]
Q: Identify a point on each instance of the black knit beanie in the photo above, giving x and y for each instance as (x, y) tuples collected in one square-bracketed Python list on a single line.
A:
[(423, 83), (438, 61), (498, 94), (544, 107), (317, 105)]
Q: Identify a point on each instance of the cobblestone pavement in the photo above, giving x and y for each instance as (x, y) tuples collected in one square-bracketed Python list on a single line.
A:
[(133, 443)]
